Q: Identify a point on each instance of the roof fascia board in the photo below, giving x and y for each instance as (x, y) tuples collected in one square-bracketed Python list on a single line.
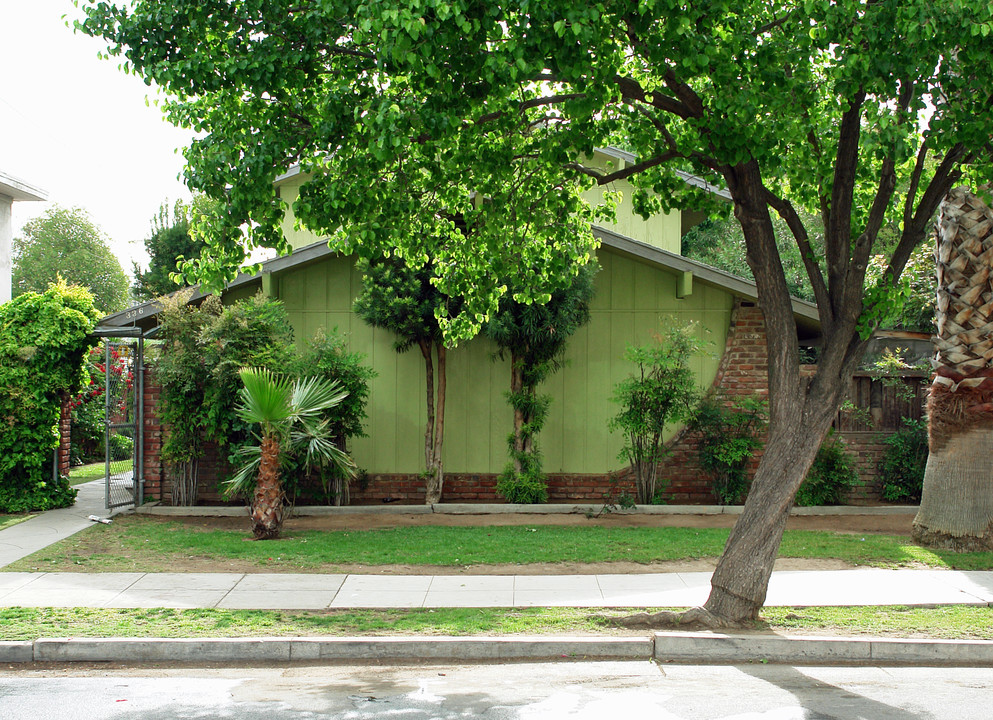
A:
[(737, 285), (19, 190)]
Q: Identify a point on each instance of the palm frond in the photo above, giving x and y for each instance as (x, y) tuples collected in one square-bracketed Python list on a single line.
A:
[(265, 397), (243, 481), (320, 450), (313, 394)]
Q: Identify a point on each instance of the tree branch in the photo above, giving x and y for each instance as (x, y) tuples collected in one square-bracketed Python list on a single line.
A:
[(799, 231), (838, 221), (529, 104), (915, 181), (945, 177), (773, 24), (606, 178), (632, 90)]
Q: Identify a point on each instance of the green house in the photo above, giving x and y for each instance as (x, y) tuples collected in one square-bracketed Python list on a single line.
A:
[(643, 283)]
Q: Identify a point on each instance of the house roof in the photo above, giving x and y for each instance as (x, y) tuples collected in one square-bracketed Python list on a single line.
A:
[(143, 315), (18, 189)]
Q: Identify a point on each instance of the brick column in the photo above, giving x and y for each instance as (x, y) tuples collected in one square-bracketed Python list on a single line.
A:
[(152, 446), (65, 438)]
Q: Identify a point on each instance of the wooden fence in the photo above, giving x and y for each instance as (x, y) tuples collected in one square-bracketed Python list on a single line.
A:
[(880, 404)]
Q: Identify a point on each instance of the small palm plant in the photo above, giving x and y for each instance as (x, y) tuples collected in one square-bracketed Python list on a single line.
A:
[(289, 413)]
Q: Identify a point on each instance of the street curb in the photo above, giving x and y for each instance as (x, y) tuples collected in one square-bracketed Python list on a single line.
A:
[(466, 649), (154, 508), (666, 647), (715, 648)]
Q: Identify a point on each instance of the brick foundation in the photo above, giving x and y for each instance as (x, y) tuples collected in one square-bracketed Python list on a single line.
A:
[(481, 488)]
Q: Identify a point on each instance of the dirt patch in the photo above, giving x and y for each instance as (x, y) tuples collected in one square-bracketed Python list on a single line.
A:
[(876, 524)]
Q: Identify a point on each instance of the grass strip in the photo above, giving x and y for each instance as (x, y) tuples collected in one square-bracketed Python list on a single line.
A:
[(7, 521), (135, 543), (85, 473), (952, 622)]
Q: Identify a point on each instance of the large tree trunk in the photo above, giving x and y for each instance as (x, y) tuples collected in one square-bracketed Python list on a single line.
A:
[(741, 579), (800, 414), (267, 503), (957, 502)]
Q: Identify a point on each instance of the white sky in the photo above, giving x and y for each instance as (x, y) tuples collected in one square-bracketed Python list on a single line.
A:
[(78, 127)]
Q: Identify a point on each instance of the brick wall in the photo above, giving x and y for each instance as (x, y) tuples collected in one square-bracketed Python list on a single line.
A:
[(867, 448), (470, 488)]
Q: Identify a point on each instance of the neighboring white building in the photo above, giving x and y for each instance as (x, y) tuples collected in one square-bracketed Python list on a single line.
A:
[(11, 189)]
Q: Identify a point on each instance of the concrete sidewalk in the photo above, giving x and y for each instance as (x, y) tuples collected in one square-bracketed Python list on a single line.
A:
[(282, 591), (319, 592), (49, 527)]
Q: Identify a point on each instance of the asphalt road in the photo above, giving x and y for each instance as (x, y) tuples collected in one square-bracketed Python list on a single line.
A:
[(548, 691)]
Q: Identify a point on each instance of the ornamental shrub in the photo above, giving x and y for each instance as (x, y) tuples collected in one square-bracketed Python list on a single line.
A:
[(44, 339), (327, 356), (661, 391), (88, 413), (830, 477), (254, 332), (902, 468), (729, 435)]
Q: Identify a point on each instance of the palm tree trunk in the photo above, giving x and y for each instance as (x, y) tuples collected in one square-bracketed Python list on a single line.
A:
[(267, 503), (957, 502)]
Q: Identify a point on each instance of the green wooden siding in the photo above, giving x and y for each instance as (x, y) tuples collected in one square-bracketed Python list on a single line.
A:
[(633, 298)]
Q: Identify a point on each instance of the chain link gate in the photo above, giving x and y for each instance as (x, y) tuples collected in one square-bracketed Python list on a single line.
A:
[(123, 370)]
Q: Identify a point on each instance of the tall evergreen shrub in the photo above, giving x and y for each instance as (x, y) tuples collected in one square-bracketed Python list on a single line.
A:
[(44, 339)]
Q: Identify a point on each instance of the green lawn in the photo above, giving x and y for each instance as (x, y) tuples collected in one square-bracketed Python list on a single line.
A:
[(956, 622), (150, 544), (85, 473), (7, 520)]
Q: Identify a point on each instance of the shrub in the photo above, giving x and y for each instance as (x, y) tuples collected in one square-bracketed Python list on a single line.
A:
[(327, 356), (86, 434), (254, 332), (662, 390), (121, 447), (830, 477), (729, 435), (902, 468), (525, 487), (43, 345), (183, 376)]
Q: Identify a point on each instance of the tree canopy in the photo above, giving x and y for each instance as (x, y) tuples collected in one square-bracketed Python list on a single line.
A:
[(168, 242), (65, 242), (461, 128)]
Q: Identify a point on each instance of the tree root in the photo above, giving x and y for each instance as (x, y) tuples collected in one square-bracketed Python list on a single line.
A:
[(692, 619)]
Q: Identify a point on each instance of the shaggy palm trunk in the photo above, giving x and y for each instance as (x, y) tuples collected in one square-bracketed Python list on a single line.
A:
[(434, 434), (957, 502), (267, 503)]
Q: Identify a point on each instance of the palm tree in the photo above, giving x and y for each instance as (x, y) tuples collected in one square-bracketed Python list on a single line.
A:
[(957, 503), (289, 413)]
